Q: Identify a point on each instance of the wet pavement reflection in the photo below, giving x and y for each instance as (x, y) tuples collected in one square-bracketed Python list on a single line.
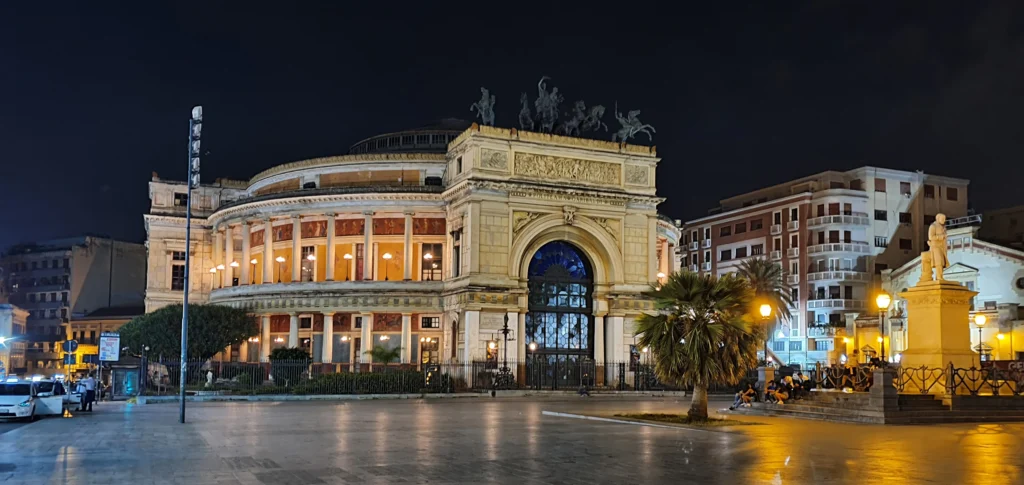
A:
[(484, 440)]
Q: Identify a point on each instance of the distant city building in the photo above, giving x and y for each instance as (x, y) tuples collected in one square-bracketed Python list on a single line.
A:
[(57, 279), (86, 330), (832, 233), (427, 240), (996, 272), (12, 344), (1004, 226)]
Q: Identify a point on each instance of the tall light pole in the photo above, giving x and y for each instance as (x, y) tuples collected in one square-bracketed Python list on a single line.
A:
[(195, 129), (979, 321), (766, 313), (883, 302)]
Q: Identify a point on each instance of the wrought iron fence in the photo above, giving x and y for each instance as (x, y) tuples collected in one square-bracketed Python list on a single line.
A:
[(925, 380), (314, 378)]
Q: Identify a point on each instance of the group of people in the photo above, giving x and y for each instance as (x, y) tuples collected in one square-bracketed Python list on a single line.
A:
[(87, 388), (777, 392)]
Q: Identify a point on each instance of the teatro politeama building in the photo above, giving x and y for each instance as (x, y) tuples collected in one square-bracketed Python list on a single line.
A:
[(427, 240)]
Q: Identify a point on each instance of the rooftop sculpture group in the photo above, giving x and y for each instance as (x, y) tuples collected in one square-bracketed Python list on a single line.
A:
[(545, 116)]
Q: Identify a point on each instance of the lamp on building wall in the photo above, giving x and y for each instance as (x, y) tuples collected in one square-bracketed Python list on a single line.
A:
[(253, 272), (882, 301), (234, 264), (220, 267), (311, 257), (280, 261), (344, 338), (213, 270), (347, 257), (387, 259), (429, 259), (979, 321)]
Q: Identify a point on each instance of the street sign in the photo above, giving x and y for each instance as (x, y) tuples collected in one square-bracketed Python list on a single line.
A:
[(69, 346), (110, 347)]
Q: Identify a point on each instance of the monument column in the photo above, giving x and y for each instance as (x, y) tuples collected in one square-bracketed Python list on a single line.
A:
[(296, 249), (407, 264), (367, 244), (246, 256), (293, 330), (218, 245), (265, 338), (330, 248), (268, 252), (406, 338), (366, 338), (327, 353)]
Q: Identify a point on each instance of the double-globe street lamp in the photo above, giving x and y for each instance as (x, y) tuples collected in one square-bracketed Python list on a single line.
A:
[(882, 301), (979, 321)]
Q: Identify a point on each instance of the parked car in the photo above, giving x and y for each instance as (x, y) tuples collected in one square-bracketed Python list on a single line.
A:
[(28, 399)]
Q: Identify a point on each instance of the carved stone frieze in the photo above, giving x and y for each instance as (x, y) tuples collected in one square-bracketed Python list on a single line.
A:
[(493, 159), (564, 168), (637, 175), (521, 218), (610, 225)]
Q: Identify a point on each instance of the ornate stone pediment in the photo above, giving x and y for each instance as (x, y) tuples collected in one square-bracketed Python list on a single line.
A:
[(549, 167)]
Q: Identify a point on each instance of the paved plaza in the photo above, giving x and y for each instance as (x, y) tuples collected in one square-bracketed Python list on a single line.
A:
[(488, 441)]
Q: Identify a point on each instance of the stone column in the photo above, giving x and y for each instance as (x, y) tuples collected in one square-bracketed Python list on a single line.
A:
[(296, 249), (268, 252), (327, 353), (218, 245), (366, 338), (471, 335), (330, 249), (293, 330), (599, 349), (243, 351), (406, 337), (521, 337), (367, 244), (613, 347), (246, 256), (265, 338), (229, 256), (663, 265), (407, 265)]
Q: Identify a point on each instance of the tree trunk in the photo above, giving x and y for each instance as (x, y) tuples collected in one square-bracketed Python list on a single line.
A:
[(699, 403)]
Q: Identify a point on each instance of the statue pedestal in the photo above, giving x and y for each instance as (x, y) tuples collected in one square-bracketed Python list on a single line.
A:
[(938, 328)]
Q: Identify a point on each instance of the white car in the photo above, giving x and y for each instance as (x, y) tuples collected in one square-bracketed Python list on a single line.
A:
[(25, 399)]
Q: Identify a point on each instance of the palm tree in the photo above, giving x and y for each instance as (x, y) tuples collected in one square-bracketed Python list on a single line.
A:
[(769, 285), (384, 355), (701, 333)]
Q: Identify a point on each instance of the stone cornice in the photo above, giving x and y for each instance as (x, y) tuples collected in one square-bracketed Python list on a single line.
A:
[(345, 159), (551, 192), (329, 203), (512, 134), (174, 220)]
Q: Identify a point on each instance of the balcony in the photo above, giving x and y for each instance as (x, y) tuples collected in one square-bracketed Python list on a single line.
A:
[(776, 255), (826, 332), (837, 304), (839, 275), (694, 246), (851, 219), (694, 268), (793, 253), (793, 226), (792, 279), (858, 247), (707, 243), (705, 266), (776, 229)]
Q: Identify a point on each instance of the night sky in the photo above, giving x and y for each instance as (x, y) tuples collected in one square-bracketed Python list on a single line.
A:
[(93, 99)]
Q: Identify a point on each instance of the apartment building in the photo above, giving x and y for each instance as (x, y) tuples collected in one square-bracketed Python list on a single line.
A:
[(55, 280), (832, 233)]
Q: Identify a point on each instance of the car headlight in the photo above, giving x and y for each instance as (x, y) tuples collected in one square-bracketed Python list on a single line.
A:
[(25, 404)]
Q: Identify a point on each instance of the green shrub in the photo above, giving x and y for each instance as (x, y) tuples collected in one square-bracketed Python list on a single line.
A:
[(288, 366), (400, 382)]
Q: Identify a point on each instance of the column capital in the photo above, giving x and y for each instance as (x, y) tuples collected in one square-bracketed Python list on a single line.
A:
[(409, 212), (331, 214), (296, 217), (368, 213), (245, 224), (329, 314), (404, 314)]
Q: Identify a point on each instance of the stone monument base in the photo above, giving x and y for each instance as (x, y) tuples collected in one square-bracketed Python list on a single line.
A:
[(938, 328)]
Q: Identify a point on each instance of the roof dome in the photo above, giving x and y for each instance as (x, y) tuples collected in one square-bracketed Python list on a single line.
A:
[(432, 138)]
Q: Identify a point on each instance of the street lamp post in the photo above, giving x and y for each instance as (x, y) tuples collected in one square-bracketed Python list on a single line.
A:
[(882, 301), (253, 262), (195, 129), (387, 259), (766, 313), (979, 321), (429, 258), (347, 257), (280, 261)]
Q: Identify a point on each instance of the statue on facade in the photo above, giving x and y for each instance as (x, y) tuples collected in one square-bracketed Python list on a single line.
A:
[(631, 125), (547, 105), (571, 127), (937, 247), (569, 215), (593, 120), (525, 119), (485, 107)]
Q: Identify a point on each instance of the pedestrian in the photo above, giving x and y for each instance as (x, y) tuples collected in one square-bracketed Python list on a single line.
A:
[(90, 393)]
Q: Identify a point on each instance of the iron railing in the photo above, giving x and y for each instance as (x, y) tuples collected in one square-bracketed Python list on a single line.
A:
[(989, 380)]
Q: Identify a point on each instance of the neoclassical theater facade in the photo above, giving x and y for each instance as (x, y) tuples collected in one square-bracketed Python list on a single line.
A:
[(427, 240)]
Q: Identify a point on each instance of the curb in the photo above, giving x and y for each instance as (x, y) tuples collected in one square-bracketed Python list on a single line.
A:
[(611, 420), (370, 397)]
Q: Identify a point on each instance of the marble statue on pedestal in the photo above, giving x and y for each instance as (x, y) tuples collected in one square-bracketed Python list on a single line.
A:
[(936, 255), (485, 107)]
